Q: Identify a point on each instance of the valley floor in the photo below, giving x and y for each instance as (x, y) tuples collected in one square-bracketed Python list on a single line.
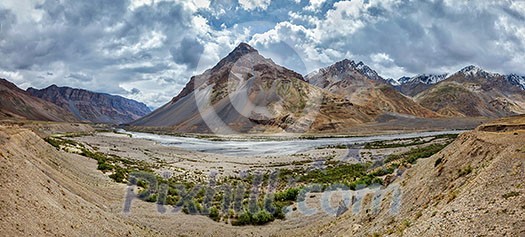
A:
[(475, 186)]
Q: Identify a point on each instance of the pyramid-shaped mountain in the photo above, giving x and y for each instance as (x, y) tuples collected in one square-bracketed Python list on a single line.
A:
[(246, 92)]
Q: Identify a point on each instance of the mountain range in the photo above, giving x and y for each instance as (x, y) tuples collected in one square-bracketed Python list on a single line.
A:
[(16, 104), (91, 106), (470, 92), (64, 104), (248, 93)]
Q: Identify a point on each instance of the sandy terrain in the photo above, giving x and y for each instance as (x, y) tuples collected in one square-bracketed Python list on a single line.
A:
[(476, 188)]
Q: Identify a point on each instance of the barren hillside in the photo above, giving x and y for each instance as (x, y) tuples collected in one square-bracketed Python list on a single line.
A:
[(474, 187), (16, 104)]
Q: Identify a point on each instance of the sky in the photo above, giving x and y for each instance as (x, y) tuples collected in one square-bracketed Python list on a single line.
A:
[(148, 49)]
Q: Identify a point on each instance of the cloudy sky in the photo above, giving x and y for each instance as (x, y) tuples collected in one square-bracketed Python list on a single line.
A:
[(148, 49)]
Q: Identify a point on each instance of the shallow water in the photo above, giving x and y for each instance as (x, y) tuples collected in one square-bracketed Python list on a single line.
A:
[(269, 148)]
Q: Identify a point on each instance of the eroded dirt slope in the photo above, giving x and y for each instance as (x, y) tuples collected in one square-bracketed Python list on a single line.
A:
[(47, 193), (474, 187)]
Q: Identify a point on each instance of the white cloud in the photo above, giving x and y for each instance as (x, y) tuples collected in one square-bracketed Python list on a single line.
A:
[(251, 5), (131, 44), (15, 77), (314, 5), (24, 9), (381, 58)]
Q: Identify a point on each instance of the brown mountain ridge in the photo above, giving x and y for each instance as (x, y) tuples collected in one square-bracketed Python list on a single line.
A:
[(91, 106), (17, 104)]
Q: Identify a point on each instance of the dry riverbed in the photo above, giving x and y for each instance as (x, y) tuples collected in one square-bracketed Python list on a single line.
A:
[(197, 165)]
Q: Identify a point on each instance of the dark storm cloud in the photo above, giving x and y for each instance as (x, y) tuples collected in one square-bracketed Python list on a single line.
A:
[(82, 40), (7, 20), (80, 76), (154, 47), (187, 52), (135, 91), (417, 36)]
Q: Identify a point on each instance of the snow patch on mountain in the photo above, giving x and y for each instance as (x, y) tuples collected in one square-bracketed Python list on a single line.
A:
[(516, 80), (428, 79), (476, 71)]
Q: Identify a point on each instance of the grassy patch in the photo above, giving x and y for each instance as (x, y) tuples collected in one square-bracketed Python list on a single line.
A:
[(119, 167), (333, 173), (416, 153), (407, 142)]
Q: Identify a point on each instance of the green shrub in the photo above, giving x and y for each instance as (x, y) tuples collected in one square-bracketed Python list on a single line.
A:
[(245, 218), (172, 200), (119, 175), (417, 153), (287, 195), (53, 142), (279, 210), (262, 217), (214, 214), (151, 198), (335, 173), (104, 167)]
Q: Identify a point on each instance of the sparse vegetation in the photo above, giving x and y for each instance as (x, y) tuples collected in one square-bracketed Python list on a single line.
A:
[(408, 142), (119, 167), (465, 171), (214, 214), (416, 153), (438, 161), (510, 194), (338, 146), (190, 196), (287, 195)]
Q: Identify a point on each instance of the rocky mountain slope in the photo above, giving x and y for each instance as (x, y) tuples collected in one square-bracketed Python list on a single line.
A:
[(91, 106), (363, 86), (246, 92), (412, 86), (474, 92), (17, 104)]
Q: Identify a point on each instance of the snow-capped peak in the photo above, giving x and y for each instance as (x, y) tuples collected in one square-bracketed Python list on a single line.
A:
[(471, 70), (347, 65), (393, 82), (367, 71), (476, 71), (428, 79), (516, 80)]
